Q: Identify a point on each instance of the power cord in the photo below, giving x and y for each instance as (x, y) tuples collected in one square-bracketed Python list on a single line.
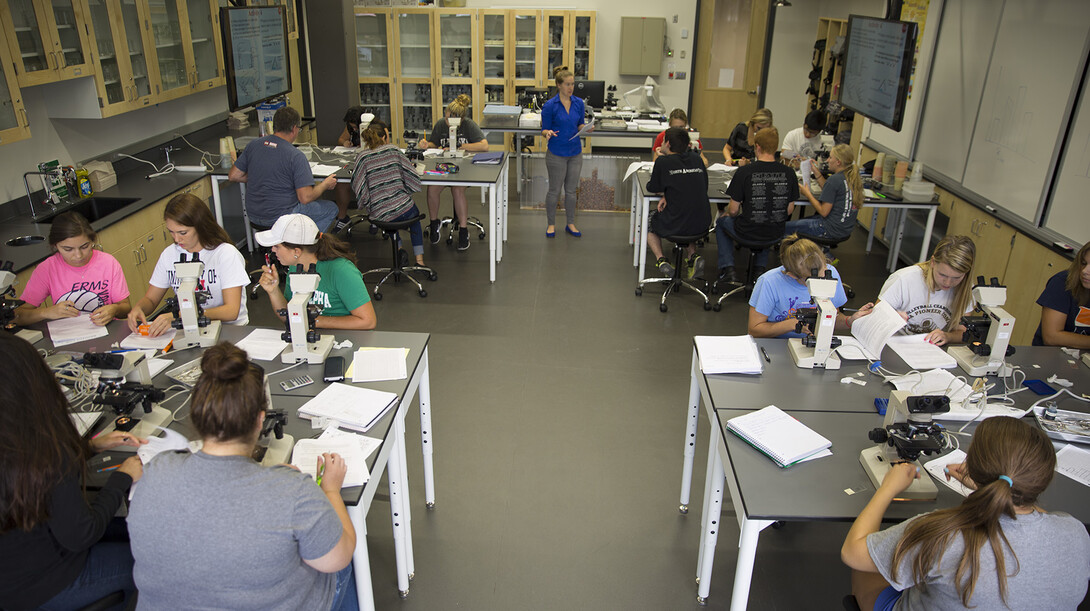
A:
[(166, 169)]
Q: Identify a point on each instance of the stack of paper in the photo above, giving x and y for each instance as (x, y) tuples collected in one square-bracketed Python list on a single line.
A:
[(84, 420), (349, 406), (728, 354), (781, 437), (874, 329), (64, 331), (263, 344), (919, 353), (1074, 463), (378, 364), (306, 453), (935, 468)]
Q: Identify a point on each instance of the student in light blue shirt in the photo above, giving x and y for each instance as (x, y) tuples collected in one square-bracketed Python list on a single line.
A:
[(779, 293)]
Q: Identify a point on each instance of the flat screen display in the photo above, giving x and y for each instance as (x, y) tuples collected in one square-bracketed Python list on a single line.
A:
[(255, 43), (878, 58)]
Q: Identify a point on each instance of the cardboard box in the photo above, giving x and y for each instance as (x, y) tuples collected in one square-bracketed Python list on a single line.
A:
[(101, 174)]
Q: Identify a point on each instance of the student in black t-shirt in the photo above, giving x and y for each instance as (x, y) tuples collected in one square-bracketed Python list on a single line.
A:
[(679, 174), (762, 198)]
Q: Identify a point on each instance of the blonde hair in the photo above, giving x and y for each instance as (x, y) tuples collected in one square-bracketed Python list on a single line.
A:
[(459, 106), (800, 255), (959, 252), (560, 73), (762, 117), (846, 157)]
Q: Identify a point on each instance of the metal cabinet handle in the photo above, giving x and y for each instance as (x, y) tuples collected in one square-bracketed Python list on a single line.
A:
[(60, 61), (136, 256), (143, 254), (26, 118)]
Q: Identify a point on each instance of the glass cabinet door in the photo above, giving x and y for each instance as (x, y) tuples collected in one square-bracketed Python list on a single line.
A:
[(166, 33), (71, 47), (372, 42), (33, 54), (455, 45), (203, 33), (110, 69), (555, 42), (13, 122), (494, 36), (582, 42), (414, 36), (9, 118), (138, 61), (416, 108), (375, 99), (526, 33)]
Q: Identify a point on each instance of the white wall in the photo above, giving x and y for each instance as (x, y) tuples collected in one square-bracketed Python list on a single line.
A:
[(75, 140), (792, 53)]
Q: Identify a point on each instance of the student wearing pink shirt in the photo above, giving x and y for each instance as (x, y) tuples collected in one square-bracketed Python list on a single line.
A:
[(78, 278)]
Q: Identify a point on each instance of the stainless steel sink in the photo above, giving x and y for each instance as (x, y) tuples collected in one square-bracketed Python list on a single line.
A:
[(26, 240), (92, 209)]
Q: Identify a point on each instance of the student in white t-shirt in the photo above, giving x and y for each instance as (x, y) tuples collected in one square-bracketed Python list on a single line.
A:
[(195, 230), (804, 142), (935, 294)]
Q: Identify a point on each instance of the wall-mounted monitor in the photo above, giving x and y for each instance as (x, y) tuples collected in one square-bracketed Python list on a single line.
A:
[(878, 57), (255, 44)]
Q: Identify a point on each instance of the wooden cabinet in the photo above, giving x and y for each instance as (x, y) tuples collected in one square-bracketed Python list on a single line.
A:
[(414, 99), (641, 45), (14, 125), (186, 48), (570, 42), (1030, 266), (374, 64), (993, 238), (457, 56), (47, 40), (119, 51)]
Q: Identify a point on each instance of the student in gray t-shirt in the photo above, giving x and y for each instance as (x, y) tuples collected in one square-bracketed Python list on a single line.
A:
[(216, 530), (841, 197), (1028, 558), (279, 180)]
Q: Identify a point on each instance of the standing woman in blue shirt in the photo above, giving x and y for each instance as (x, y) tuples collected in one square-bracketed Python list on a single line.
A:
[(561, 118)]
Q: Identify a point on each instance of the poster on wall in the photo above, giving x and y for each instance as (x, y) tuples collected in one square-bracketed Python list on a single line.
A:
[(915, 11)]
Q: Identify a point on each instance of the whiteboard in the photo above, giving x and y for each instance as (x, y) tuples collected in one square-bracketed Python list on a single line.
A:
[(1069, 210), (957, 82), (1038, 52)]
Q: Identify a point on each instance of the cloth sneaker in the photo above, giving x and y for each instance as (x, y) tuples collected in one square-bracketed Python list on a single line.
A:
[(433, 231), (664, 267), (341, 224), (463, 238), (727, 274), (694, 267)]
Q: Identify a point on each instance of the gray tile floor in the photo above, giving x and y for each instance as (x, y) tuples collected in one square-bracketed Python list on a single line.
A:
[(558, 411)]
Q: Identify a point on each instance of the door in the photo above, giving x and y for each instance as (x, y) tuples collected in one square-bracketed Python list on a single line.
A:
[(730, 48)]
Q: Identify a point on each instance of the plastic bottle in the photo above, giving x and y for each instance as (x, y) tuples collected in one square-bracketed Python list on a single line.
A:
[(84, 181)]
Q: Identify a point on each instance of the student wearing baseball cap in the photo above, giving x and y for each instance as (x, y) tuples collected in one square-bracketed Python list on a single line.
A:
[(295, 240)]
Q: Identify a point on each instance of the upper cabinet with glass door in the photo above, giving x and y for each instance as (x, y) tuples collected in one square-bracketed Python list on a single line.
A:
[(495, 71), (571, 42), (186, 46), (373, 61), (415, 98), (46, 40), (205, 43), (119, 49), (169, 66), (458, 63), (13, 120)]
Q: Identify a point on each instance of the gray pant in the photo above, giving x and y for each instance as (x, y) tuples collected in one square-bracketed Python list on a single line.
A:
[(562, 171)]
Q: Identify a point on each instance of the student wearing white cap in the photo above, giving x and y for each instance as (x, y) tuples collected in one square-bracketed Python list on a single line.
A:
[(295, 240)]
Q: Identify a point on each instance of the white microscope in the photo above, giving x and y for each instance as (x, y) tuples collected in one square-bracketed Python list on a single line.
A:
[(452, 138), (907, 432), (125, 384), (981, 358), (273, 445), (815, 351), (301, 316), (188, 307)]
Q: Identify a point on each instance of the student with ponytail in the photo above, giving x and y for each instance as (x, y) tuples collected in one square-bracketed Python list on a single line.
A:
[(295, 240), (470, 139), (841, 198), (997, 549)]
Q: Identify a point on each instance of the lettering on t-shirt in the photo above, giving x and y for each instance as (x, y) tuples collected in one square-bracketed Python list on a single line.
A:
[(320, 298), (88, 296), (269, 144), (209, 276), (927, 318), (766, 190), (685, 171)]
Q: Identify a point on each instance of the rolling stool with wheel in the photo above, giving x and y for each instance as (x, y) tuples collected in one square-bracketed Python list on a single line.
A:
[(676, 281), (399, 270), (453, 226), (830, 243), (755, 247)]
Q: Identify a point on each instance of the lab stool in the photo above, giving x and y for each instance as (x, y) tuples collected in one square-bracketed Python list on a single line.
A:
[(449, 222), (830, 243), (676, 281), (746, 286), (398, 269)]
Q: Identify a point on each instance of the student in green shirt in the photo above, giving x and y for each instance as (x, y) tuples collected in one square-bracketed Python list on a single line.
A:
[(295, 240)]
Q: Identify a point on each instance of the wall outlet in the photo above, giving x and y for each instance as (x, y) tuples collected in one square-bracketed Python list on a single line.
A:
[(683, 54), (675, 18)]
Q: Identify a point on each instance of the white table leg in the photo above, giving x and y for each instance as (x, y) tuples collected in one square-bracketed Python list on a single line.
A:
[(518, 165), (873, 224), (504, 195), (361, 565), (927, 234), (689, 448), (709, 483), (426, 432), (747, 552), (632, 209), (494, 225), (642, 237), (709, 534), (394, 477), (406, 502), (895, 249)]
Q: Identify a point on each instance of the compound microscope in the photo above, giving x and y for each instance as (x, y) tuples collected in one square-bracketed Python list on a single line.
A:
[(301, 318), (987, 357), (188, 307), (815, 351), (907, 432), (124, 383)]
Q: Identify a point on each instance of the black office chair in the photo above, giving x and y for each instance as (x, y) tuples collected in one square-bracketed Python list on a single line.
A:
[(676, 281), (356, 217), (450, 223), (109, 601), (399, 268), (746, 285), (830, 243)]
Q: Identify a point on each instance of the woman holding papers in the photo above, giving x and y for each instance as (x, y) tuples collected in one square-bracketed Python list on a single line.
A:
[(997, 550), (780, 292), (195, 232), (841, 198), (295, 240), (238, 535), (1065, 306), (78, 278), (384, 182), (57, 550), (933, 296), (561, 119)]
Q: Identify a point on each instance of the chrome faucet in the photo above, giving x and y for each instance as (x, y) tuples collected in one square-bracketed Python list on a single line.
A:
[(167, 149), (50, 197)]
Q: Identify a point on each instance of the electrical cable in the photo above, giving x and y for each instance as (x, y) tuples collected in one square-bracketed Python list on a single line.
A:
[(166, 169)]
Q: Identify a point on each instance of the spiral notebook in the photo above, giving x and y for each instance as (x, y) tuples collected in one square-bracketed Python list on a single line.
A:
[(777, 434)]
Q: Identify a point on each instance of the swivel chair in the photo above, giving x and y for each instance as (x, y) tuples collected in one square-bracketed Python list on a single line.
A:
[(677, 281), (449, 222), (399, 269), (746, 285), (830, 244)]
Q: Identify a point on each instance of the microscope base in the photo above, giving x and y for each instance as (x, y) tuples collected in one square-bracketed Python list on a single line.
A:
[(454, 154), (205, 337), (875, 464), (970, 363), (315, 354), (278, 451), (804, 357), (148, 425)]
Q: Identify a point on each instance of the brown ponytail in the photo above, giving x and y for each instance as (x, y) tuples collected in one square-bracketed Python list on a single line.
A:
[(560, 73), (327, 248), (229, 395), (375, 134)]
